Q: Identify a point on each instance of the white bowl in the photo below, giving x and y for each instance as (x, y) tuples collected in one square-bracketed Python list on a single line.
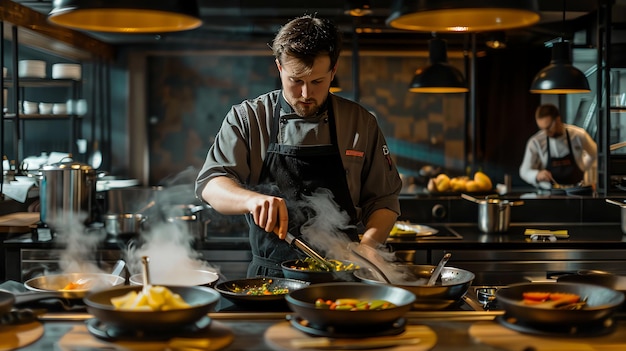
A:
[(30, 107), (66, 71), (31, 69)]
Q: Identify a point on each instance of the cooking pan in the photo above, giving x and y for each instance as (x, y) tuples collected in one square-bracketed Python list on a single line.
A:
[(453, 285), (299, 269), (232, 289), (302, 302), (54, 283), (601, 302), (201, 299), (192, 277)]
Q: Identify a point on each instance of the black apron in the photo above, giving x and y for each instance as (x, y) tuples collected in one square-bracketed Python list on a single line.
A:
[(564, 170), (293, 171)]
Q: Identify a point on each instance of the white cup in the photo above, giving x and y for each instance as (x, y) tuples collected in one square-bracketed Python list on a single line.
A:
[(30, 108), (80, 107), (59, 109), (45, 108)]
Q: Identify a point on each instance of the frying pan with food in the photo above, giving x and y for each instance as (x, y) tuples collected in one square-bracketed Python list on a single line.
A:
[(238, 290), (601, 302), (446, 292), (202, 300), (60, 284), (302, 302)]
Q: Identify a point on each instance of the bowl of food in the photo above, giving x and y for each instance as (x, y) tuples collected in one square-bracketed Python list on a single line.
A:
[(350, 304), (558, 303), (311, 271), (260, 289), (447, 290), (154, 309)]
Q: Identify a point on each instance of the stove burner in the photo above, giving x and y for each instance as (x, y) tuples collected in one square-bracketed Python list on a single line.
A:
[(345, 332), (603, 327), (112, 333)]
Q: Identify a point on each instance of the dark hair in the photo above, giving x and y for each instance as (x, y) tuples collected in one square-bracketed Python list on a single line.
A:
[(307, 37), (547, 110)]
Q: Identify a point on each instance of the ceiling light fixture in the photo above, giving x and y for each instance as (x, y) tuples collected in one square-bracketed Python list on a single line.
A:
[(334, 85), (463, 15), (439, 76), (560, 76), (496, 40), (125, 16), (358, 8)]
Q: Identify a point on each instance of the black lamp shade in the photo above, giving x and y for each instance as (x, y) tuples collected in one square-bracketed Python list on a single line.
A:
[(560, 76), (334, 85), (463, 15), (439, 76), (126, 16)]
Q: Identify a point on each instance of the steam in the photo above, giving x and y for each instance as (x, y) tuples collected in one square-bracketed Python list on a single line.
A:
[(80, 244)]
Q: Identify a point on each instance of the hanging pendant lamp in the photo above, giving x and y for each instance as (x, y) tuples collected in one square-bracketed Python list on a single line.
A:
[(334, 85), (463, 15), (439, 76), (560, 77), (126, 16)]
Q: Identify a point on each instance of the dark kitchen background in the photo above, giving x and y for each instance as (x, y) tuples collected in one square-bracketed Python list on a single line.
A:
[(166, 95)]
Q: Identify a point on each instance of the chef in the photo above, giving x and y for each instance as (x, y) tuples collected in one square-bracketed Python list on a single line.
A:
[(278, 148), (558, 153)]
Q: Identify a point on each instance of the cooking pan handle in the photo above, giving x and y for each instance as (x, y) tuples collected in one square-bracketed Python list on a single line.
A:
[(37, 296)]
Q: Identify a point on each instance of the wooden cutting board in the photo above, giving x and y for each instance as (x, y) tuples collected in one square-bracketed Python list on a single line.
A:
[(497, 335), (13, 337), (219, 336), (18, 222), (279, 337)]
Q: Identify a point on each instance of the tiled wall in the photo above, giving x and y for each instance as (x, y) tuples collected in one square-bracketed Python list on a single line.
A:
[(191, 94)]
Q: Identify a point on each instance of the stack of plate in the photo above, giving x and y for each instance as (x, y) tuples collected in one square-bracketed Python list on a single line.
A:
[(32, 69), (66, 71)]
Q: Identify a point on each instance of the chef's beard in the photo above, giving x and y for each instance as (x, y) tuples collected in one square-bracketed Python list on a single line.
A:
[(306, 111)]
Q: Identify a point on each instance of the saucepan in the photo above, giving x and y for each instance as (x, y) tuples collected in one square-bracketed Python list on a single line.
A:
[(600, 303), (494, 215), (622, 205), (202, 300), (302, 302)]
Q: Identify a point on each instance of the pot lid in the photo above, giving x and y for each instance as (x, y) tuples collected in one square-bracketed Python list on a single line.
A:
[(68, 165)]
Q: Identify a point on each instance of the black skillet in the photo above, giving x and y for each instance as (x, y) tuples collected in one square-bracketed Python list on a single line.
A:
[(201, 299), (601, 302), (302, 302), (235, 290)]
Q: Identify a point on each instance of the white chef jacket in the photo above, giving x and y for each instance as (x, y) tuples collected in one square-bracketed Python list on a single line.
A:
[(584, 149)]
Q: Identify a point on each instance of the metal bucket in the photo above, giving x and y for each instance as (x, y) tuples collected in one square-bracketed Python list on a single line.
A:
[(68, 192)]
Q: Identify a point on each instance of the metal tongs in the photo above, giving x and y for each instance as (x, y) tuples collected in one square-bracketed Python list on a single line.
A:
[(297, 242)]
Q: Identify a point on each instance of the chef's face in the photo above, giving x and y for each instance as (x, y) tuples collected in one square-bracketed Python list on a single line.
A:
[(306, 89), (551, 125)]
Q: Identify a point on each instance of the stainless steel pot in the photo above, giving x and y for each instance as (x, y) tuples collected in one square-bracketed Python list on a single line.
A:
[(189, 219), (125, 223), (494, 215), (623, 213), (68, 193)]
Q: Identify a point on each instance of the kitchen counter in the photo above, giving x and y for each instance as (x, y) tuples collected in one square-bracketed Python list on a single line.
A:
[(453, 331)]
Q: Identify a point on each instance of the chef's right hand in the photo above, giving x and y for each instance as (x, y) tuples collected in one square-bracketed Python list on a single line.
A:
[(544, 176), (270, 213)]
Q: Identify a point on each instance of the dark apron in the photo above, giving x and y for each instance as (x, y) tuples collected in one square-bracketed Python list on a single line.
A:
[(564, 170), (296, 171)]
